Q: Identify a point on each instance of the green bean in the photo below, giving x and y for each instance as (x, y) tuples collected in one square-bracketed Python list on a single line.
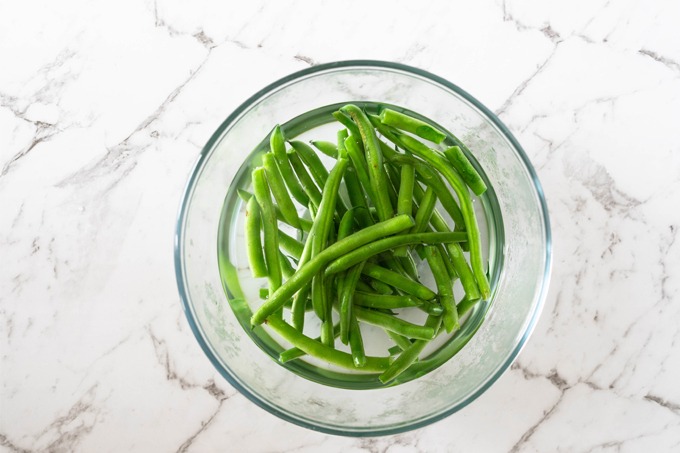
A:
[(328, 148), (347, 299), (258, 267), (393, 324), (398, 281), (264, 293), (467, 279), (385, 301), (401, 341), (409, 266), (308, 186), (374, 161), (306, 271), (442, 165), (290, 245), (305, 225), (278, 147), (425, 211), (363, 286), (352, 127), (346, 223), (318, 350), (444, 287), (392, 194), (286, 268), (356, 344), (296, 353), (394, 350), (359, 163), (410, 354), (341, 137), (405, 199), (270, 228), (467, 172), (380, 287), (409, 124), (365, 252), (299, 307), (311, 159), (431, 307), (324, 220), (278, 189), (357, 198), (465, 305), (327, 336)]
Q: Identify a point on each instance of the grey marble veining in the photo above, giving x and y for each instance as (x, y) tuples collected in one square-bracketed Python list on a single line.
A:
[(104, 107)]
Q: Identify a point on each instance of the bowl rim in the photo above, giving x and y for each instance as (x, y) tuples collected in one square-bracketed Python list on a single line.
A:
[(179, 246)]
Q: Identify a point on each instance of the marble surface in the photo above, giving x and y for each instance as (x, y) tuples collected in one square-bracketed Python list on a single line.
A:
[(105, 105)]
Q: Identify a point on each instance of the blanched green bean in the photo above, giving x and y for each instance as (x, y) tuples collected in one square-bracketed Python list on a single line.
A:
[(425, 211), (385, 301), (405, 198), (356, 343), (409, 124), (270, 228), (365, 252), (347, 300), (396, 325), (444, 287), (278, 189), (277, 144), (361, 167), (308, 186), (310, 158), (328, 148), (291, 245), (380, 287), (296, 353), (318, 350), (398, 281), (464, 167), (258, 267), (351, 127), (374, 161)]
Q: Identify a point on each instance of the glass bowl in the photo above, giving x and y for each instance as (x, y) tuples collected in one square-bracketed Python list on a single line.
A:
[(513, 219)]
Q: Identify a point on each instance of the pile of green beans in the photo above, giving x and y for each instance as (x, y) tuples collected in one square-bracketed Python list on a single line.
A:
[(374, 212)]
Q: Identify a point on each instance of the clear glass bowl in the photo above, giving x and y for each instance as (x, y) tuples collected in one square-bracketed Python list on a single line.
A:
[(513, 216)]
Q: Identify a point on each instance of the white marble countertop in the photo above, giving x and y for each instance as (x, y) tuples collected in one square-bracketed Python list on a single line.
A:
[(105, 105)]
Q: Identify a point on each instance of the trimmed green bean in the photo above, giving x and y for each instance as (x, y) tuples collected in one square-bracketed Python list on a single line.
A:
[(391, 323), (278, 147), (278, 189), (409, 266), (308, 186), (366, 251), (258, 267), (443, 166), (357, 198), (269, 227), (380, 287), (409, 124), (311, 159), (351, 127), (305, 225), (347, 300), (401, 341), (306, 271), (405, 198), (346, 223), (425, 211), (296, 353), (467, 172), (398, 281), (374, 161), (327, 336), (318, 350), (410, 354), (359, 163), (356, 344), (467, 279), (363, 286), (328, 148), (286, 268), (291, 245), (385, 301), (444, 287), (264, 293)]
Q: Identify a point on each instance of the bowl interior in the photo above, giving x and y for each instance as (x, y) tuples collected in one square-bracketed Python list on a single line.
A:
[(331, 401)]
